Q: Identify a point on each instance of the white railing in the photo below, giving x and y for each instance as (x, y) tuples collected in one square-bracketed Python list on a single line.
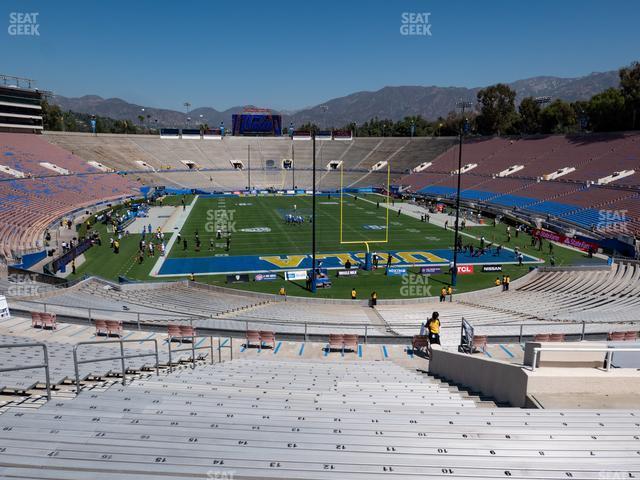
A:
[(607, 358)]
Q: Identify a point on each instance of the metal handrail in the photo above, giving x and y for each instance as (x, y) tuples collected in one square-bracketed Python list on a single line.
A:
[(607, 358), (121, 357), (192, 349), (45, 365)]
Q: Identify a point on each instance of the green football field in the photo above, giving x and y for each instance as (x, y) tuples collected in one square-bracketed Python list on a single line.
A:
[(405, 233), (257, 226)]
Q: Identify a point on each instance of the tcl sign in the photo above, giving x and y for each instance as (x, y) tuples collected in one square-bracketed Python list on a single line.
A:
[(465, 269)]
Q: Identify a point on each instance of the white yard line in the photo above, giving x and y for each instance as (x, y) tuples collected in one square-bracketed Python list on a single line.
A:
[(179, 223)]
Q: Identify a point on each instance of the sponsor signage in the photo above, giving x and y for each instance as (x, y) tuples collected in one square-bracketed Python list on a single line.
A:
[(396, 271), (572, 242), (465, 269), (265, 277), (296, 275), (348, 273), (256, 230), (430, 270), (492, 268), (238, 278)]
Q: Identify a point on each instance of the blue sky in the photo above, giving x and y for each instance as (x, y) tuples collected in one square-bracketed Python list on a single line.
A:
[(292, 54)]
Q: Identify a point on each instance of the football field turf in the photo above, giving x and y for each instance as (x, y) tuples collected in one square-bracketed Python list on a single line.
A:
[(258, 227)]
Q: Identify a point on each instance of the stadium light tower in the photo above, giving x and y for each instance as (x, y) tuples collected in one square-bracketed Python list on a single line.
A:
[(313, 218), (454, 271)]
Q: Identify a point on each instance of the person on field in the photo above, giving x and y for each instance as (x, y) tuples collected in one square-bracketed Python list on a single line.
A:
[(374, 299), (450, 292), (507, 282), (354, 294), (443, 294), (498, 282)]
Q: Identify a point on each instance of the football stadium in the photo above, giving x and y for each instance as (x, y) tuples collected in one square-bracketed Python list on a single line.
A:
[(411, 282)]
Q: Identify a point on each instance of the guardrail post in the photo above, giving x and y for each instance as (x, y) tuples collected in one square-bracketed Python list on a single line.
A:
[(193, 352), (122, 362), (246, 324), (607, 360), (90, 318), (584, 326), (138, 320), (219, 350), (76, 370), (521, 330), (231, 346), (365, 333), (211, 346), (155, 342), (45, 308), (46, 371), (170, 360), (535, 359), (306, 338)]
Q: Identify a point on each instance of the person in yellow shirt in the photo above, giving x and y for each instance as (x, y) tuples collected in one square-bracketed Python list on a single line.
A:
[(282, 292), (374, 298), (443, 294), (433, 327), (507, 282), (354, 294), (450, 292), (192, 277), (498, 282)]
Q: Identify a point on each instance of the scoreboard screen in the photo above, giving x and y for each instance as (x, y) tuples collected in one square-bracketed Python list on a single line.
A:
[(257, 124)]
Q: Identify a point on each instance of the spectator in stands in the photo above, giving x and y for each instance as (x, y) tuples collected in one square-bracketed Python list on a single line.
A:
[(443, 294), (374, 299), (433, 326)]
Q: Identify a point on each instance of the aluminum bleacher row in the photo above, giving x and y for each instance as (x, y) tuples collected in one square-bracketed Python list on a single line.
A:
[(294, 419), (572, 197), (29, 205)]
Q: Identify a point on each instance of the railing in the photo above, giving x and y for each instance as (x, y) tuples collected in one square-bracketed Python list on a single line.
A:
[(241, 324), (524, 330), (191, 349), (122, 357), (607, 358), (45, 365)]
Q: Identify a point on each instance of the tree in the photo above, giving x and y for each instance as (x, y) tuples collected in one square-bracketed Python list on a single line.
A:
[(529, 116), (498, 109), (630, 86), (607, 111), (558, 117)]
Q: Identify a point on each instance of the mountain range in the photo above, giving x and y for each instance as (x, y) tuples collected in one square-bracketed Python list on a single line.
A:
[(387, 103)]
